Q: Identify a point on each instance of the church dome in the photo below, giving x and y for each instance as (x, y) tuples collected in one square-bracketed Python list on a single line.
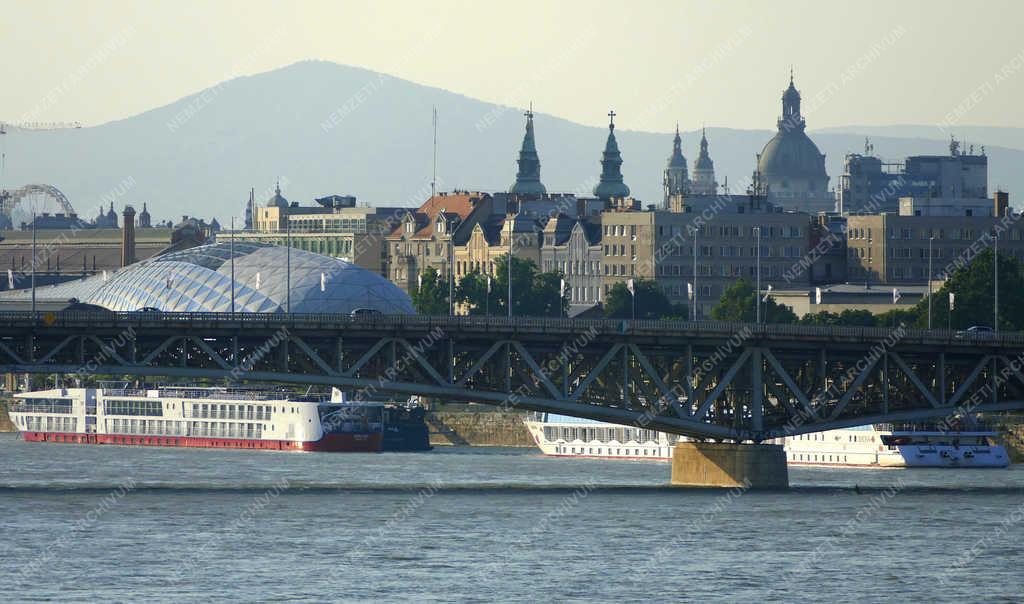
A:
[(791, 154), (278, 200)]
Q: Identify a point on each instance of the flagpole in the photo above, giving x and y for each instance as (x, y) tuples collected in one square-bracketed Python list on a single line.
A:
[(949, 315)]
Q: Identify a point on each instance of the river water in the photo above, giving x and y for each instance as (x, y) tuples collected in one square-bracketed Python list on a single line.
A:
[(103, 523)]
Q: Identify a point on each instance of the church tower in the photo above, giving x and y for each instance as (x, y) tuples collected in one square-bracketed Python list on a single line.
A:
[(250, 210), (611, 185), (675, 181), (145, 221), (703, 170), (528, 177)]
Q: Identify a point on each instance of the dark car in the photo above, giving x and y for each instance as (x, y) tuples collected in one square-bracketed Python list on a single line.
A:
[(365, 312), (978, 331)]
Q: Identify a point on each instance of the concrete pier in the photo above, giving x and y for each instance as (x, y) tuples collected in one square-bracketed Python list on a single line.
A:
[(696, 464)]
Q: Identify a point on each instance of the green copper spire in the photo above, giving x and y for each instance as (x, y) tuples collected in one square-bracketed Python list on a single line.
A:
[(528, 176), (611, 184)]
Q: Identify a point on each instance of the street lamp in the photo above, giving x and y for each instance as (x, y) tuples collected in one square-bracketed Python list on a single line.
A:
[(451, 273), (995, 263), (232, 266), (694, 303), (758, 270), (930, 240)]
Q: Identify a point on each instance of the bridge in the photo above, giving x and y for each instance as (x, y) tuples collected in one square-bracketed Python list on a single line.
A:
[(708, 380)]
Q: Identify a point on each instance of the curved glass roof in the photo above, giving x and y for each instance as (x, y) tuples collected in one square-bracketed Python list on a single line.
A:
[(199, 280)]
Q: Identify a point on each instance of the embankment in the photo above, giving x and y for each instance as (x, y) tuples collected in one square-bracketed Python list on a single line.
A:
[(478, 429)]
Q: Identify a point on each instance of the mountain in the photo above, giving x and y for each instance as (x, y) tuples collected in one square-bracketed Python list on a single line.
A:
[(326, 128)]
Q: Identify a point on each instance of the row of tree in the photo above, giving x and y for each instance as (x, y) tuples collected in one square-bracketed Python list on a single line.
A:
[(972, 286), (534, 293), (539, 294)]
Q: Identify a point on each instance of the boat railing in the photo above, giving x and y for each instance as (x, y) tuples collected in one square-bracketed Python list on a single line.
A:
[(935, 427)]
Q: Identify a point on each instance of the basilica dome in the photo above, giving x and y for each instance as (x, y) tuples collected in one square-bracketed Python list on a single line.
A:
[(790, 163)]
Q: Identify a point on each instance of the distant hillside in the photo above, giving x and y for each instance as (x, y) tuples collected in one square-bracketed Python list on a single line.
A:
[(327, 128)]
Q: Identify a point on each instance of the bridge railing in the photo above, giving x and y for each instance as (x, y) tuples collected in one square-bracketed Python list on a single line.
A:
[(531, 324)]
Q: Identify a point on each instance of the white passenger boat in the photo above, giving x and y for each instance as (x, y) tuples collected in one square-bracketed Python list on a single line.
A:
[(881, 445), (217, 418)]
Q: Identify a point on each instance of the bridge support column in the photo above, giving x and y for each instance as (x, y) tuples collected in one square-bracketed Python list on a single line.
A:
[(696, 464)]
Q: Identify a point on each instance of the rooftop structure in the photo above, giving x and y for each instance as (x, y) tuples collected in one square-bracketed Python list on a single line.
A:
[(199, 280), (790, 168)]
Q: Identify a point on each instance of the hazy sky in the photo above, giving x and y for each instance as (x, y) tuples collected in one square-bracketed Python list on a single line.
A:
[(719, 63)]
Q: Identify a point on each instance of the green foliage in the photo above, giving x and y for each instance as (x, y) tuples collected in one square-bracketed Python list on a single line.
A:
[(897, 317), (431, 297), (651, 302), (973, 286), (739, 303), (534, 294), (848, 318)]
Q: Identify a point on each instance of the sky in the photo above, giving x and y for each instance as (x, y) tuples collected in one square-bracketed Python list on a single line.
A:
[(656, 62)]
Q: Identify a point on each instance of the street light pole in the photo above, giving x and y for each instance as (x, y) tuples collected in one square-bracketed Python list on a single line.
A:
[(288, 271), (930, 240), (33, 266), (451, 274), (694, 302), (510, 225), (232, 266), (995, 263), (758, 301)]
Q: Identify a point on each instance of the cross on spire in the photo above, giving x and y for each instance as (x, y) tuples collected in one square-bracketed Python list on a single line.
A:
[(529, 112)]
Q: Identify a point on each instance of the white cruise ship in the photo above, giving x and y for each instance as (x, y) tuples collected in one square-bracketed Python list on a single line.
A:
[(897, 446), (217, 418), (877, 446), (566, 436)]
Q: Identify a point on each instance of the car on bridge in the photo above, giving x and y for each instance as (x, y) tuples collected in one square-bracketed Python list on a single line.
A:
[(977, 331)]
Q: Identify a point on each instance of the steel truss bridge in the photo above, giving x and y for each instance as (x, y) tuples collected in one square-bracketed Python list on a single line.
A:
[(708, 380)]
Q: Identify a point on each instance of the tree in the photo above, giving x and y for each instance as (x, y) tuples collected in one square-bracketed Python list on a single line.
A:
[(850, 318), (651, 302), (739, 303), (972, 285), (897, 317), (534, 294), (820, 319), (431, 296)]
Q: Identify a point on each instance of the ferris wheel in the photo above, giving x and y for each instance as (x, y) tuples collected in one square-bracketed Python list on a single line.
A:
[(18, 206)]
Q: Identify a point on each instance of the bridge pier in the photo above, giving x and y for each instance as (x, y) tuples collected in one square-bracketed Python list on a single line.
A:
[(728, 465)]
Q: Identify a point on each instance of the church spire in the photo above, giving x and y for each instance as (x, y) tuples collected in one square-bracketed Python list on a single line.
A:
[(704, 170), (528, 177), (675, 178), (611, 184)]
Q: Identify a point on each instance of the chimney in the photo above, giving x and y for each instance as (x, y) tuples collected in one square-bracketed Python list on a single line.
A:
[(128, 237), (1002, 203)]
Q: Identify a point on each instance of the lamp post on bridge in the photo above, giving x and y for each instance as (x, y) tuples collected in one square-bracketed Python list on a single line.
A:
[(758, 270), (930, 240)]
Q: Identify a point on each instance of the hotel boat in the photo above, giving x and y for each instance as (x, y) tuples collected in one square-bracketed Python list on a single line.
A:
[(881, 445), (217, 418)]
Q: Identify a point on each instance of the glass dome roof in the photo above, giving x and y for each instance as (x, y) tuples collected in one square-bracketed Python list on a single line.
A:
[(199, 280)]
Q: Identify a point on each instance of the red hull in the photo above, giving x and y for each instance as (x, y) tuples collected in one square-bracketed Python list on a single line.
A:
[(341, 443)]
